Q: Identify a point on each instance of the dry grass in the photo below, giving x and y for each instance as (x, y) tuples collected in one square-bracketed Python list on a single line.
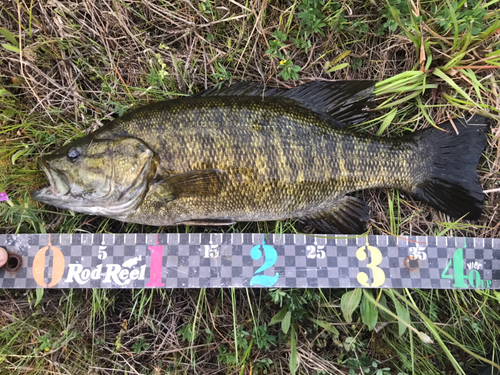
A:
[(81, 63)]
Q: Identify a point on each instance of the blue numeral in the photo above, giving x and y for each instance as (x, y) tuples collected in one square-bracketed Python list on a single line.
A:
[(270, 258)]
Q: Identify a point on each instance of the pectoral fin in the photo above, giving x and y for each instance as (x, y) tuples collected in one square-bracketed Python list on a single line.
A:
[(199, 183), (348, 216)]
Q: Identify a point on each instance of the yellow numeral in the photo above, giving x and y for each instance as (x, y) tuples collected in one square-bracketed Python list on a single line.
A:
[(378, 273)]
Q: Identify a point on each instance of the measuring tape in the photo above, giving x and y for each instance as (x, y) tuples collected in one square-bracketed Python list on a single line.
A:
[(203, 260)]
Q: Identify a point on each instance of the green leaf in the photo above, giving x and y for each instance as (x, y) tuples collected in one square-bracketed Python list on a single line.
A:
[(279, 316), (10, 37), (387, 121), (279, 35), (325, 325), (293, 352), (448, 80), (9, 47), (402, 313), (493, 54), (285, 323), (39, 295), (8, 113), (392, 103), (369, 313), (383, 302), (338, 67), (399, 79), (349, 303), (4, 92), (18, 154), (454, 20), (350, 344)]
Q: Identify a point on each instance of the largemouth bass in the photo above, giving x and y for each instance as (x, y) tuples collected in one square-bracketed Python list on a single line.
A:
[(241, 154)]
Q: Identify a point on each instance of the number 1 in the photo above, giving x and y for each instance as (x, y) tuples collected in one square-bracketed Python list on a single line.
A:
[(155, 268)]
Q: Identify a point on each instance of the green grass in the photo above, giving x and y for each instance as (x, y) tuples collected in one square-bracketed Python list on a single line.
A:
[(67, 68)]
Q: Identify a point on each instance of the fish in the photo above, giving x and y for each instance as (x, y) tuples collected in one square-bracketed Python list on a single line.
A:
[(243, 153)]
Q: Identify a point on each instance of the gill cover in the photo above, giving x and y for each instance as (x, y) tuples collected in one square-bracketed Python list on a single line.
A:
[(100, 177)]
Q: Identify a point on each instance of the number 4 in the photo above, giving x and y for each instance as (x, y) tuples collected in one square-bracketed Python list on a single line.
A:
[(458, 269)]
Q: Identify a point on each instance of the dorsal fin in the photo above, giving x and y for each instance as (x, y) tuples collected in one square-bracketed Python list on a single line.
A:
[(346, 102)]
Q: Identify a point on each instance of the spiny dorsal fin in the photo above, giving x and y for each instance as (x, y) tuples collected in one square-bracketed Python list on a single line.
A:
[(346, 102)]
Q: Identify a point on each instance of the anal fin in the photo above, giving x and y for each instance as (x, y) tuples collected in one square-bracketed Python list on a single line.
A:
[(207, 222), (349, 215)]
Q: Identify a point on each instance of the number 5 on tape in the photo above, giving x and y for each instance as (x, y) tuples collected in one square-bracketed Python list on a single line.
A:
[(376, 259)]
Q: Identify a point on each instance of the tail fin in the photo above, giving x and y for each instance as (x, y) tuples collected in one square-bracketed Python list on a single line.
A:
[(452, 186)]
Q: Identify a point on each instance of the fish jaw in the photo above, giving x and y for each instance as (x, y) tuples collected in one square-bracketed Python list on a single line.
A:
[(58, 184), (58, 193)]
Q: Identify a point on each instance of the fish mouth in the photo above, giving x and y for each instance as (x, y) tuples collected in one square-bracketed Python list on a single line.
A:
[(59, 184)]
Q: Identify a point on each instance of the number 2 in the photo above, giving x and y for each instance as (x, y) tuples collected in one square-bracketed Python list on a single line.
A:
[(270, 258)]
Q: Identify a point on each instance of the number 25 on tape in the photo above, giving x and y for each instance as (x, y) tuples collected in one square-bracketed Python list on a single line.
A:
[(376, 259)]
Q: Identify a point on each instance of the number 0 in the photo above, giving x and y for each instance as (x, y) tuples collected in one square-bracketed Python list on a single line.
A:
[(39, 266)]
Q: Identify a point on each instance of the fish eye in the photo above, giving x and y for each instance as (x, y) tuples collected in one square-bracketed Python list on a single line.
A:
[(73, 154)]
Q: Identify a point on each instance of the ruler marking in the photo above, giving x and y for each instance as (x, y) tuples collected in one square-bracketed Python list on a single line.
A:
[(312, 266)]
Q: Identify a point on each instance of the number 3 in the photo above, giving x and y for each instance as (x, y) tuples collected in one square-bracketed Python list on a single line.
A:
[(378, 273)]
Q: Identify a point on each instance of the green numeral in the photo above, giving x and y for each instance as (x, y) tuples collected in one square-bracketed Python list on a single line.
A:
[(458, 269), (476, 281)]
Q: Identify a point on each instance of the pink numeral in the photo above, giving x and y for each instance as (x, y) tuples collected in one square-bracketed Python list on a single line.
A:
[(155, 266)]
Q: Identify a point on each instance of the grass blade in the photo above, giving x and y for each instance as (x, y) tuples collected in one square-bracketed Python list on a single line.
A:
[(293, 351), (449, 81), (387, 121), (9, 36)]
